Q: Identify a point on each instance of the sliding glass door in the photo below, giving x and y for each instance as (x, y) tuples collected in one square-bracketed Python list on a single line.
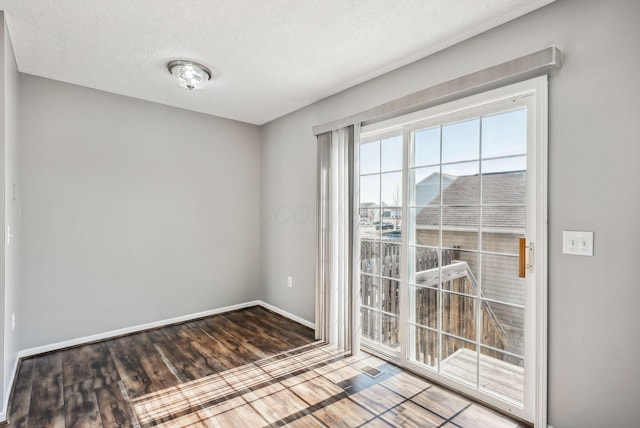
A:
[(447, 219)]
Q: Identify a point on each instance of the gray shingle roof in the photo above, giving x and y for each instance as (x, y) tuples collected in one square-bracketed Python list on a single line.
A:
[(503, 199)]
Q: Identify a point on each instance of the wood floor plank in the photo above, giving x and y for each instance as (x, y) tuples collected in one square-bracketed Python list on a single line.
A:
[(296, 334), (189, 360), (21, 399), (164, 341), (271, 331), (115, 410), (47, 399), (233, 330), (226, 352), (129, 369), (81, 405), (344, 414), (140, 366), (101, 365), (75, 366), (207, 352)]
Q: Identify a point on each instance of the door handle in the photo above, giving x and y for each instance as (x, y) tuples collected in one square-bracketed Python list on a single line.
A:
[(523, 266)]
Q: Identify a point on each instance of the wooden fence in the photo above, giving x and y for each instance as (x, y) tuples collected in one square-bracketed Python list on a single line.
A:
[(458, 307)]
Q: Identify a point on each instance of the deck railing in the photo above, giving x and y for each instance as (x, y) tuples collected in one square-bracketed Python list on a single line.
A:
[(458, 307)]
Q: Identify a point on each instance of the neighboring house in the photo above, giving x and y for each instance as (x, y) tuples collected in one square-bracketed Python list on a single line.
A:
[(389, 211), (429, 187), (503, 223), (369, 212)]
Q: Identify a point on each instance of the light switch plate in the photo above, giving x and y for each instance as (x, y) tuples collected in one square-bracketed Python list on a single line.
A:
[(577, 243)]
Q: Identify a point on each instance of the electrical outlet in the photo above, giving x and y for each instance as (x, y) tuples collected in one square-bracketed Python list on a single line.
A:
[(289, 282)]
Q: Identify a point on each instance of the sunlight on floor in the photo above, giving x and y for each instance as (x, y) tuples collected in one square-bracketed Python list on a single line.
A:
[(203, 399)]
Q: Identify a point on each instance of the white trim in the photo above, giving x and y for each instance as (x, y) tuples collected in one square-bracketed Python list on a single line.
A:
[(541, 252), (286, 314), (7, 393), (128, 330)]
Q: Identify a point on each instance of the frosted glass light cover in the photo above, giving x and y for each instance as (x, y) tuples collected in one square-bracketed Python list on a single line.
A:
[(190, 75)]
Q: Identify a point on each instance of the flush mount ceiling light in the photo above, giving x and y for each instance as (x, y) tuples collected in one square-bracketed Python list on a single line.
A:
[(190, 75)]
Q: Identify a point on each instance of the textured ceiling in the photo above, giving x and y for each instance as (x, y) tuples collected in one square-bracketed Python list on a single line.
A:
[(269, 57)]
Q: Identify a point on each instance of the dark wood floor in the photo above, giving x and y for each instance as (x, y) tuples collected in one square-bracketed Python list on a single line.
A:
[(247, 368)]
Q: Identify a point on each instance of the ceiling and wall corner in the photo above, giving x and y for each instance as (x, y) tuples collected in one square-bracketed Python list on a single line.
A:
[(267, 58)]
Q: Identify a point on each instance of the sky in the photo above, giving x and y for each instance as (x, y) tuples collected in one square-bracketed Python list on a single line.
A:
[(495, 142)]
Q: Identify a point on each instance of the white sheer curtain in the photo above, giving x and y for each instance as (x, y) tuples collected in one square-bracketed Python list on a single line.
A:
[(337, 312)]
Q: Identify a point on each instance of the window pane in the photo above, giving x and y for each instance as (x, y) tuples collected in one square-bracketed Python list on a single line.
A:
[(502, 242), (423, 346), (424, 307), (461, 141), (504, 134), (503, 327), (370, 157), (459, 360), (518, 163), (392, 154), (390, 327), (502, 375), (500, 279), (425, 226), (392, 189), (460, 240), (390, 296), (369, 290), (506, 188), (425, 264), (425, 187), (460, 271), (459, 315), (464, 186), (369, 214), (370, 324), (426, 146), (390, 260), (370, 190), (460, 218), (510, 219), (370, 256), (461, 169)]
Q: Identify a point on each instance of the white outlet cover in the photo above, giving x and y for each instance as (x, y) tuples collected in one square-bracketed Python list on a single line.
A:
[(578, 243)]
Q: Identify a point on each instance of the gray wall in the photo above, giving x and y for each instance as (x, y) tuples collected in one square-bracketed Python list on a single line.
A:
[(132, 212), (594, 375), (11, 250)]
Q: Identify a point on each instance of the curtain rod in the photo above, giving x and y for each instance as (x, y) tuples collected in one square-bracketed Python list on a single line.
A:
[(525, 67)]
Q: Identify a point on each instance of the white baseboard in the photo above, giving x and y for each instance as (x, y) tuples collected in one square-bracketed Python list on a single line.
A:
[(128, 330), (287, 315), (7, 393)]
